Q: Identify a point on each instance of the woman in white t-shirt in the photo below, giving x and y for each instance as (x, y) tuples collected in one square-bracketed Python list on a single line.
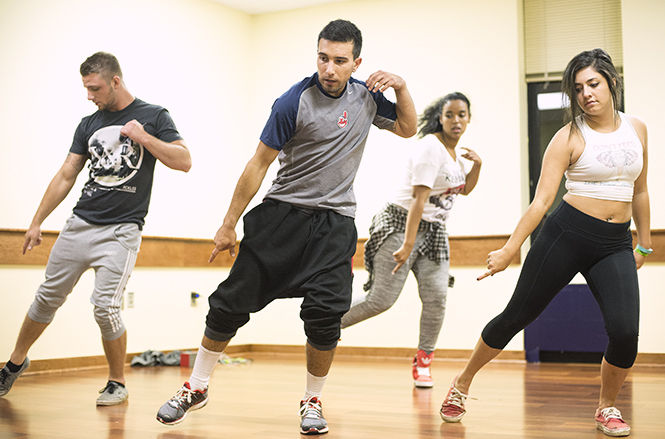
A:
[(409, 234)]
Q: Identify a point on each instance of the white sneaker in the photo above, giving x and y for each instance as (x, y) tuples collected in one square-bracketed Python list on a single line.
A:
[(112, 394)]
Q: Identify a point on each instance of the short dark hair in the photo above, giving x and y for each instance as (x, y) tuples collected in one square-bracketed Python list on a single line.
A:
[(600, 61), (103, 63), (430, 121), (343, 31)]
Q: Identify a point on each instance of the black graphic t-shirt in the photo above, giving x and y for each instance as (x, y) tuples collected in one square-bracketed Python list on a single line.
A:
[(121, 170)]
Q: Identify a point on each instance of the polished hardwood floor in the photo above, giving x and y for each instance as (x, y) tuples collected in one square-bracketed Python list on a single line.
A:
[(363, 398)]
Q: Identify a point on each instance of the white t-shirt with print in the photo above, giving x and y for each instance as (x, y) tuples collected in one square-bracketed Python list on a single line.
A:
[(431, 165)]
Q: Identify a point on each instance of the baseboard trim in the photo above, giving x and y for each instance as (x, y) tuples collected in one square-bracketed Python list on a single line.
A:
[(356, 353), (53, 365), (375, 353), (647, 359)]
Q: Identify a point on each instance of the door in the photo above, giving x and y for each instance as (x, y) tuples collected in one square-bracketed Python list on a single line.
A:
[(546, 106)]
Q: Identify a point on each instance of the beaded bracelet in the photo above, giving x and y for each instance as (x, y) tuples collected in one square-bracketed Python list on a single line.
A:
[(643, 251)]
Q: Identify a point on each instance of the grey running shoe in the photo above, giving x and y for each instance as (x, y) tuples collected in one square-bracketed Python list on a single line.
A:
[(311, 417), (112, 394), (174, 410), (7, 378)]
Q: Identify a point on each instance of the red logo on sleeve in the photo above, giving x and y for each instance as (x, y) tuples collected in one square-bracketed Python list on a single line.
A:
[(343, 120)]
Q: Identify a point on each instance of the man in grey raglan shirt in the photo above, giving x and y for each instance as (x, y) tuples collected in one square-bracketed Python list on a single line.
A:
[(300, 240), (123, 140)]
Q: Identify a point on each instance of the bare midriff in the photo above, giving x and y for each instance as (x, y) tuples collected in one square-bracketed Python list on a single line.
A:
[(606, 210)]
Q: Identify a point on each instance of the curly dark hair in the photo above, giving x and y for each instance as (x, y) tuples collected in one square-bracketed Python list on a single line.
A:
[(601, 62), (429, 122)]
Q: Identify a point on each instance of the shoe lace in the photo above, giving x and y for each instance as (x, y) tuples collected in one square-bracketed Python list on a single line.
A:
[(4, 373), (311, 408), (611, 413), (455, 397), (110, 386), (184, 394)]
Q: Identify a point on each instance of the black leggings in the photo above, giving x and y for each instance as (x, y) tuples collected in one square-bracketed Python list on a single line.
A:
[(572, 242)]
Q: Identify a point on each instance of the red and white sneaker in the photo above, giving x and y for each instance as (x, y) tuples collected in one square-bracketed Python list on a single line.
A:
[(422, 376), (174, 410), (610, 422), (452, 409), (311, 417)]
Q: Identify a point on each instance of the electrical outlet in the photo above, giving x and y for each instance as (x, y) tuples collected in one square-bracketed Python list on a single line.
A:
[(130, 299)]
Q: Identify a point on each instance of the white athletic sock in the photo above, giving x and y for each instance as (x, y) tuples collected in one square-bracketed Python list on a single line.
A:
[(203, 366), (314, 386)]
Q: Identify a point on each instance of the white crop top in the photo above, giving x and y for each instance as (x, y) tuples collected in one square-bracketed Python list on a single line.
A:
[(609, 164)]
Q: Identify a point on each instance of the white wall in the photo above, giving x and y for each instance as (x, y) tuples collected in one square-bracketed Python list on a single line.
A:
[(643, 62), (218, 72), (163, 318), (643, 32), (186, 55), (437, 47)]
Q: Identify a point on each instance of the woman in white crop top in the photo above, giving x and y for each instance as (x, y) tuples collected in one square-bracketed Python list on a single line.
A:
[(603, 154), (409, 234)]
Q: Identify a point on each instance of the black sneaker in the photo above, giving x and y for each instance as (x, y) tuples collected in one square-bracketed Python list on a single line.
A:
[(7, 377), (311, 417), (174, 410)]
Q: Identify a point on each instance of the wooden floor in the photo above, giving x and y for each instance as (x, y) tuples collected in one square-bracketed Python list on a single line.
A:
[(362, 399)]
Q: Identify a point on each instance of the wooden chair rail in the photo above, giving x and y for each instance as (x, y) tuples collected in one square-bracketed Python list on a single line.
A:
[(157, 251)]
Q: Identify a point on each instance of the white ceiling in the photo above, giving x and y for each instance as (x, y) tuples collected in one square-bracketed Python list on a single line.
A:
[(265, 6)]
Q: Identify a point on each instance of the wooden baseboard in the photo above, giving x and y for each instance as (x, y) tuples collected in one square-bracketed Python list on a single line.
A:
[(356, 353), (374, 353), (77, 363), (648, 359)]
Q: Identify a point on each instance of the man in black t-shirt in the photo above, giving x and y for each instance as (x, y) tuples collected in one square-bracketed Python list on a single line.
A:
[(123, 140)]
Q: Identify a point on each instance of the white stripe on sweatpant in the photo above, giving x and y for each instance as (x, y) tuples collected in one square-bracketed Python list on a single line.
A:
[(114, 310)]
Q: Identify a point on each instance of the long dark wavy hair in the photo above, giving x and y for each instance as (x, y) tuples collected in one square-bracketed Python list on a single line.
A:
[(600, 61), (429, 122)]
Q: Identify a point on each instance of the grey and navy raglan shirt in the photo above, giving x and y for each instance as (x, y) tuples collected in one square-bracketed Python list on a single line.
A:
[(320, 139)]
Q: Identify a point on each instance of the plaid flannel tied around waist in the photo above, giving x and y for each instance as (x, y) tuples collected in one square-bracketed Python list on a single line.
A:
[(392, 218)]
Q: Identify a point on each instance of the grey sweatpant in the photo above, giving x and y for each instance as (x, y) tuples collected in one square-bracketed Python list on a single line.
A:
[(110, 250), (432, 281)]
